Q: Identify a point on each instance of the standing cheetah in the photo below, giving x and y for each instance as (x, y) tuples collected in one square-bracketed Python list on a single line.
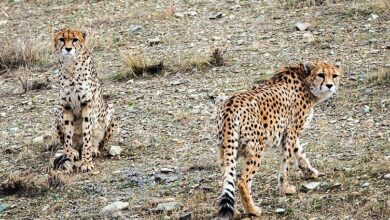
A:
[(85, 122), (272, 113)]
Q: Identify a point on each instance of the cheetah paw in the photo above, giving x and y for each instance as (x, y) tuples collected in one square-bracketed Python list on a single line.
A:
[(95, 152), (236, 214), (287, 190), (255, 211), (85, 166), (70, 153), (310, 173)]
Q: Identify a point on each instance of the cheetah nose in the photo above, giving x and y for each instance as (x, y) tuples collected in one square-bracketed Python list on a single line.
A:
[(68, 49), (329, 86)]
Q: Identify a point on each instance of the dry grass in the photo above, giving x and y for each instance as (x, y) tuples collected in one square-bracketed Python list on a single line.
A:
[(56, 180), (23, 52), (22, 184), (381, 5), (137, 65), (199, 61), (380, 77)]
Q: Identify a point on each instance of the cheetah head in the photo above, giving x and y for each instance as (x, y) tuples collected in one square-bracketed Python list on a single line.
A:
[(322, 78), (68, 42)]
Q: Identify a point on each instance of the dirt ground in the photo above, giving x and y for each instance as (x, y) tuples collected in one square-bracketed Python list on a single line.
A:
[(167, 121)]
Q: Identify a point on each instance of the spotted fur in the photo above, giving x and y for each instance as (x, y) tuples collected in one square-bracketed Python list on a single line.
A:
[(272, 113), (85, 122)]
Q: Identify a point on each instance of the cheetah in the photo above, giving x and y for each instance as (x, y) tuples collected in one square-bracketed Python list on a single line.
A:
[(271, 114), (84, 121)]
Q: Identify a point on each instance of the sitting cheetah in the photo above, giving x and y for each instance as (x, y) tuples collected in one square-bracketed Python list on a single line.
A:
[(85, 122), (272, 113)]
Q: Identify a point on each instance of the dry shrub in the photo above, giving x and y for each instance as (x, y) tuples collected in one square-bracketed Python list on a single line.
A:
[(22, 184), (137, 66), (29, 85), (202, 61), (56, 180), (380, 77), (17, 53)]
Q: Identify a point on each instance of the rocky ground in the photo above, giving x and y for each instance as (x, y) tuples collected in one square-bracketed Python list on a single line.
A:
[(168, 168)]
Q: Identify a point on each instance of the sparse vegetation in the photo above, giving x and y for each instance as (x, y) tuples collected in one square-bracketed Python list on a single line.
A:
[(138, 66), (22, 184)]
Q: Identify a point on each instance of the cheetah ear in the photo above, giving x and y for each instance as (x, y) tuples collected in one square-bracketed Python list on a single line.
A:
[(309, 66), (84, 34)]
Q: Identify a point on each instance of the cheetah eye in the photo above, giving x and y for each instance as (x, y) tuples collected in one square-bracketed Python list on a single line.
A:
[(62, 39), (321, 75), (75, 39), (335, 76)]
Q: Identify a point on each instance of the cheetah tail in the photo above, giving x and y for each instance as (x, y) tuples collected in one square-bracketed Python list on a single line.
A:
[(228, 156)]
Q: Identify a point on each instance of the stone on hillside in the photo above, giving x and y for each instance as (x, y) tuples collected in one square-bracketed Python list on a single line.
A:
[(300, 26), (311, 185), (179, 15), (169, 206), (166, 170), (308, 37), (280, 210), (115, 206), (115, 151)]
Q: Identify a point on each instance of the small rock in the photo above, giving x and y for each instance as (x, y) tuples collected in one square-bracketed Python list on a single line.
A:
[(154, 41), (39, 140), (45, 208), (166, 170), (372, 40), (3, 114), (115, 150), (307, 37), (366, 109), (115, 206), (134, 28), (191, 13), (187, 216), (300, 26), (365, 185), (235, 7), (216, 16), (373, 17), (311, 185), (137, 143), (169, 206), (176, 82), (179, 15), (369, 123), (387, 176), (3, 22), (14, 129), (163, 178), (261, 19), (280, 210), (3, 207)]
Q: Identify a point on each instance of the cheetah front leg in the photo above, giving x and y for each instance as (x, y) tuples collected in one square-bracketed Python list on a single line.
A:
[(85, 164), (288, 142), (303, 163), (65, 155)]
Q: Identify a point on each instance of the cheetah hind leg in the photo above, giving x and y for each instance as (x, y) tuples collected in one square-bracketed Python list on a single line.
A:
[(109, 128)]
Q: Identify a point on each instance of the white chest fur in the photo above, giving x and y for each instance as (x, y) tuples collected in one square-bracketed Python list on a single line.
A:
[(309, 118)]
